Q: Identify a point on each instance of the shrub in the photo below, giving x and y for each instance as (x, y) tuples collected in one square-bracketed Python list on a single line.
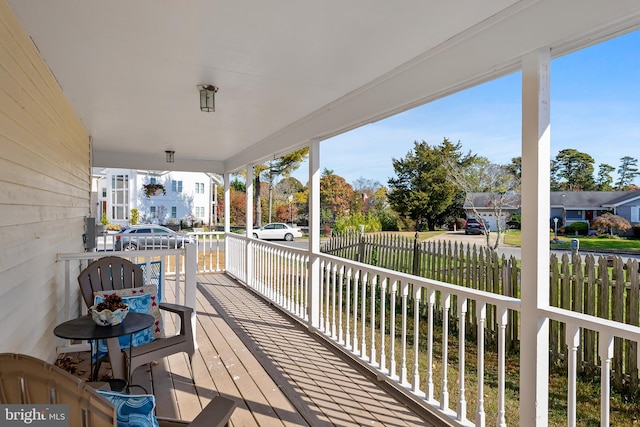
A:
[(515, 221), (609, 222), (135, 216), (104, 220), (577, 227), (636, 230)]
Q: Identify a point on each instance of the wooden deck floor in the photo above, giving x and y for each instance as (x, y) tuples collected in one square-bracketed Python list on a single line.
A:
[(278, 373)]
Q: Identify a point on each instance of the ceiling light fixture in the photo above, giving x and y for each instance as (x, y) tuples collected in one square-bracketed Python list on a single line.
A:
[(170, 155), (207, 98)]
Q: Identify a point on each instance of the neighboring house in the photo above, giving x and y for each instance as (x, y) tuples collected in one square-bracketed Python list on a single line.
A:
[(484, 204), (567, 206), (585, 206), (117, 191)]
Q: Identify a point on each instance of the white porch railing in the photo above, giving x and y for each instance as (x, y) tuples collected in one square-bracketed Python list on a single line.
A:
[(179, 264), (357, 304), (209, 250)]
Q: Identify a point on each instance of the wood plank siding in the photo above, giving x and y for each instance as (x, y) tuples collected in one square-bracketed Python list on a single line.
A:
[(44, 192)]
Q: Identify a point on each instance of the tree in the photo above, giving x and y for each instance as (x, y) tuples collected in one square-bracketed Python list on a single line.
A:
[(515, 167), (609, 221), (627, 172), (604, 181), (336, 196), (421, 189), (498, 185), (576, 168), (270, 171)]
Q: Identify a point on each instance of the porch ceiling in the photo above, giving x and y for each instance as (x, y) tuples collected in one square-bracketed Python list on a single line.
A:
[(287, 70)]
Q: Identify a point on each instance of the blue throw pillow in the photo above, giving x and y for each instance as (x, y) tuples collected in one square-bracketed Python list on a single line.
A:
[(137, 304), (133, 410)]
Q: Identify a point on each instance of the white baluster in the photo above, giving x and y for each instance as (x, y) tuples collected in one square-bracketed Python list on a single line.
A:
[(383, 310), (340, 307), (403, 340), (461, 409), (392, 322), (356, 282), (363, 315), (431, 298), (372, 297), (347, 338), (444, 395), (333, 300), (606, 353), (573, 342), (481, 309), (325, 268), (416, 335), (502, 326)]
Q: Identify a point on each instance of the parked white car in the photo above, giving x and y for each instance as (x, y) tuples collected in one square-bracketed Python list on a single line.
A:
[(277, 231)]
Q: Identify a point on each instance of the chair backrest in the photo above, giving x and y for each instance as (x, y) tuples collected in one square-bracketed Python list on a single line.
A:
[(25, 380), (108, 274)]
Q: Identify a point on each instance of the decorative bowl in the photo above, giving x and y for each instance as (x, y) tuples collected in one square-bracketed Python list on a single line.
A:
[(107, 317)]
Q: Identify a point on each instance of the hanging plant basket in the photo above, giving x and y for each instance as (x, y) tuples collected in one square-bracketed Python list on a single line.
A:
[(153, 190)]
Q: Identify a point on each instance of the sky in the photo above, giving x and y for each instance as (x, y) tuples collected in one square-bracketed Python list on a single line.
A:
[(595, 108)]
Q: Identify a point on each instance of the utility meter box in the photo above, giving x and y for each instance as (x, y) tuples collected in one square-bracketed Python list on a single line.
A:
[(90, 234)]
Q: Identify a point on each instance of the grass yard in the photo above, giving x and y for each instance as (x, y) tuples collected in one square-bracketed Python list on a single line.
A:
[(514, 238)]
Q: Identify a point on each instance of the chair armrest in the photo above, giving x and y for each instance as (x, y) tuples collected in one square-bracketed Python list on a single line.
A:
[(216, 414), (175, 308)]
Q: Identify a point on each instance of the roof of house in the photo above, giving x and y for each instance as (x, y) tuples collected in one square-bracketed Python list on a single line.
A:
[(592, 199), (567, 199), (485, 200)]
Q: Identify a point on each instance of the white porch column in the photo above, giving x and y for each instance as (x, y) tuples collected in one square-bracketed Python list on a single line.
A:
[(227, 217), (227, 203), (314, 235), (249, 226), (536, 154)]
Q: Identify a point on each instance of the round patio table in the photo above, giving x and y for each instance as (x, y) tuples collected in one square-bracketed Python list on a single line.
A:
[(84, 328)]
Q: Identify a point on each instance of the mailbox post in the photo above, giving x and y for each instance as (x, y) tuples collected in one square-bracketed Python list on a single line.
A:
[(575, 246)]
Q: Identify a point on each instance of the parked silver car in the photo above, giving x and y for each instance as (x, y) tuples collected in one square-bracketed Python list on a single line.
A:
[(277, 231), (150, 236)]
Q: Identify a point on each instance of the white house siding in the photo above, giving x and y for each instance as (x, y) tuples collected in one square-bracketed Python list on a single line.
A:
[(44, 192), (186, 202)]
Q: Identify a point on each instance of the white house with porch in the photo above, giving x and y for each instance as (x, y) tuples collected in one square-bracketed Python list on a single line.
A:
[(117, 84), (188, 196)]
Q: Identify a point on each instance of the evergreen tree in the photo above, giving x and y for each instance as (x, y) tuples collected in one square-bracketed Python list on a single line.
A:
[(604, 181), (627, 172), (421, 189), (576, 168)]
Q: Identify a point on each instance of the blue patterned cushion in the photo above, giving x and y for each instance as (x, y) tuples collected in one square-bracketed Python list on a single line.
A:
[(133, 410), (137, 304)]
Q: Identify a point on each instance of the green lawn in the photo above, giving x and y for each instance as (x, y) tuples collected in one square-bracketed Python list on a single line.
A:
[(514, 238)]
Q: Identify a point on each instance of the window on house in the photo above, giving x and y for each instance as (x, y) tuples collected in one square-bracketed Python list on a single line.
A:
[(574, 214), (174, 212), (153, 180), (104, 192), (200, 187), (152, 211), (200, 211), (176, 186), (120, 197)]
